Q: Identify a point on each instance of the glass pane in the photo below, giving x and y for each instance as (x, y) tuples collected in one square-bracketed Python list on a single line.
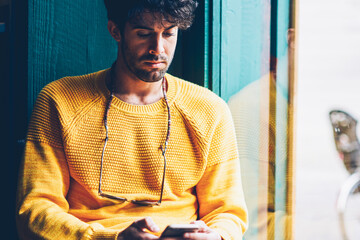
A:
[(258, 83)]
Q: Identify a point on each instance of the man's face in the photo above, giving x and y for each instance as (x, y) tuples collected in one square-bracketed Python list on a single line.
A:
[(148, 45)]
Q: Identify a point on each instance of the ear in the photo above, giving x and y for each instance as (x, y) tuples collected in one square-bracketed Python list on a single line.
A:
[(114, 31)]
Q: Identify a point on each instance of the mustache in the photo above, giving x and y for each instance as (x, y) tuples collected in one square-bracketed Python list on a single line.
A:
[(156, 58)]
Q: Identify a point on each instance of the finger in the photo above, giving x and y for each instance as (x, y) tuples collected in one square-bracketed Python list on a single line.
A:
[(202, 225), (134, 232), (197, 236), (203, 235), (148, 236), (146, 223), (199, 222)]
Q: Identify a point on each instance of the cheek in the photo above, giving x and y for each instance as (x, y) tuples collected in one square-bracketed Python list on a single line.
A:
[(135, 51), (171, 47)]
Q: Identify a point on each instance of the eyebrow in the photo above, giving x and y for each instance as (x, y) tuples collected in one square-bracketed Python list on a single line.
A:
[(151, 29)]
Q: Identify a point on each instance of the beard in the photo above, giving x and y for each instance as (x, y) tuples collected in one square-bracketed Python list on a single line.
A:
[(133, 63)]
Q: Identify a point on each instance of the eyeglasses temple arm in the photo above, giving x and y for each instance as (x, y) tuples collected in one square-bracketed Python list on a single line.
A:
[(106, 139)]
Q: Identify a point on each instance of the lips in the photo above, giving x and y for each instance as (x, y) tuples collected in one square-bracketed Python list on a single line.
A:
[(154, 64)]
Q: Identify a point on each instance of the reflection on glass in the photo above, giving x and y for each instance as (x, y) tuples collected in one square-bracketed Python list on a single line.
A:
[(263, 127)]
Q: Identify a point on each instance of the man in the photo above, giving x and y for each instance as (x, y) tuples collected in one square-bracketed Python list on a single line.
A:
[(124, 152)]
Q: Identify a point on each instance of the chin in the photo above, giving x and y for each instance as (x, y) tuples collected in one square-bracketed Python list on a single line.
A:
[(153, 79), (153, 76)]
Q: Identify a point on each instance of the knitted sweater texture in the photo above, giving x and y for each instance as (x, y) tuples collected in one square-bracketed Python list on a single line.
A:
[(59, 178)]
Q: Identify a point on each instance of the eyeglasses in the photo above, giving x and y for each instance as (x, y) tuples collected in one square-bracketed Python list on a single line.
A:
[(163, 150)]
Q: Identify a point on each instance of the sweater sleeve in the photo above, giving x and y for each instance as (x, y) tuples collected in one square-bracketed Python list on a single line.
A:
[(220, 195), (44, 178)]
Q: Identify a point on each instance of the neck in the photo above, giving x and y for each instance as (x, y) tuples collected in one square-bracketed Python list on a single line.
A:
[(130, 89)]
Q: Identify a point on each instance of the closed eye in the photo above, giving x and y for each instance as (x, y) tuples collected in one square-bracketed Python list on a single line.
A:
[(143, 35), (169, 34)]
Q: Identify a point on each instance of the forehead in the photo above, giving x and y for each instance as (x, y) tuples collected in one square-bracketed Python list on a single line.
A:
[(150, 20)]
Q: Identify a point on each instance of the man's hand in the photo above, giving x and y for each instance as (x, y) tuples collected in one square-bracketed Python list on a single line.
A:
[(137, 230), (204, 233)]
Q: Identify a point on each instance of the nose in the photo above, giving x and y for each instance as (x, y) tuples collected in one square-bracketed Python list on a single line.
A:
[(157, 45)]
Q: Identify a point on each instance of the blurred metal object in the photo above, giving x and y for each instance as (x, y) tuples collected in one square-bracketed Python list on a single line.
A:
[(350, 186), (348, 147), (346, 142)]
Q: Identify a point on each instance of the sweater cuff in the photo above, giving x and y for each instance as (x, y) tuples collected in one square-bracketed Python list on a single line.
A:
[(227, 230), (106, 234), (223, 234)]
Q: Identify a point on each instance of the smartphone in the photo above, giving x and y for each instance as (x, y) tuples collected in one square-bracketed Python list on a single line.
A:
[(178, 230)]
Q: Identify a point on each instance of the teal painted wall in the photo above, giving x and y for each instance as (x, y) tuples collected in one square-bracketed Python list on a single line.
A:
[(66, 38), (241, 44)]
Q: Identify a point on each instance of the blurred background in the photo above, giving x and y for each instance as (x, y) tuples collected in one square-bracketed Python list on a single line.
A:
[(328, 78)]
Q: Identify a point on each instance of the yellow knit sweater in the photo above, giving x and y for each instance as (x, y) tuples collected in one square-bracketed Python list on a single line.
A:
[(59, 178)]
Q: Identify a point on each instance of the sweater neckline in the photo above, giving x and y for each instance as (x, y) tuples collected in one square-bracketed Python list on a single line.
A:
[(136, 109)]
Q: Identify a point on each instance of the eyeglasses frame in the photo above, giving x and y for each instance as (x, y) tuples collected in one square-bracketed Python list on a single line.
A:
[(163, 148)]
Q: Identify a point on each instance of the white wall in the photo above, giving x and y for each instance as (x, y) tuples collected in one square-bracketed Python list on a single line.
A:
[(328, 78)]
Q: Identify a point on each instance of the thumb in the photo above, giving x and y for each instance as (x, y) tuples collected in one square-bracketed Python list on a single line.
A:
[(146, 223)]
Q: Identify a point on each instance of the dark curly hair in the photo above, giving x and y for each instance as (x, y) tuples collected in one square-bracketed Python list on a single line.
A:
[(179, 12)]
